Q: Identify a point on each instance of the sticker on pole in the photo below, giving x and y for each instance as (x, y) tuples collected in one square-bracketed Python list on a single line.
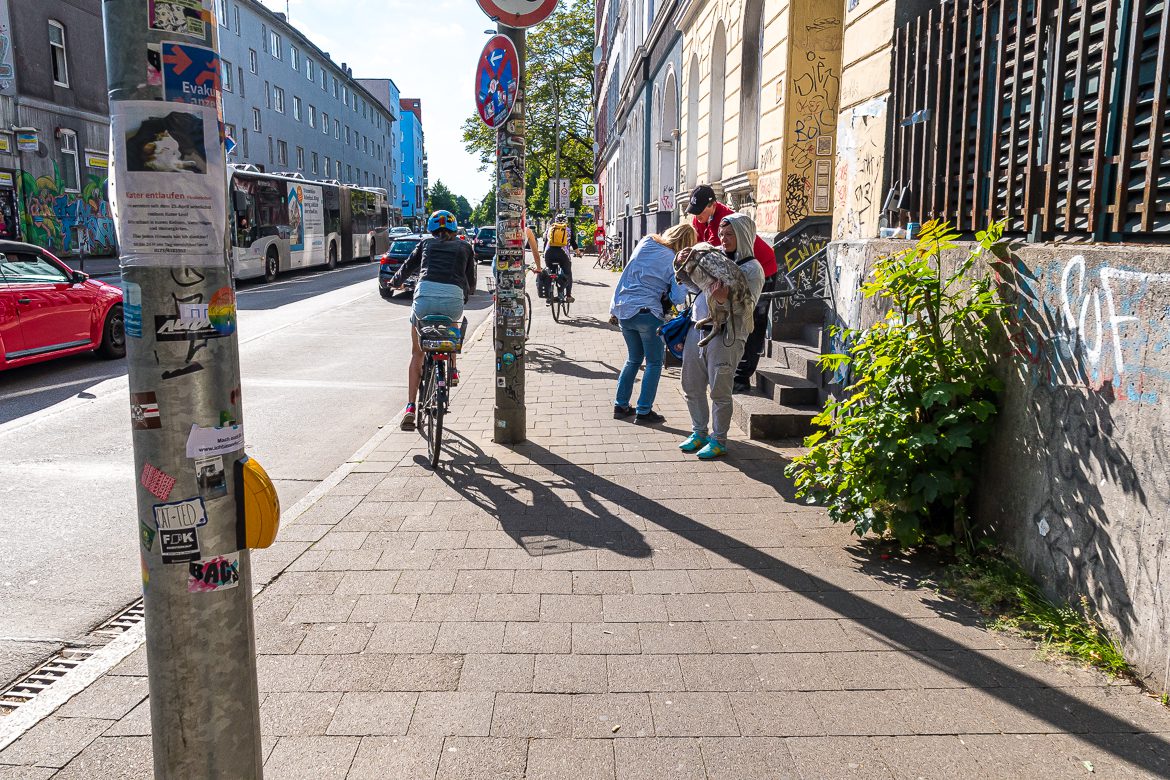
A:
[(519, 13), (208, 575), (497, 80)]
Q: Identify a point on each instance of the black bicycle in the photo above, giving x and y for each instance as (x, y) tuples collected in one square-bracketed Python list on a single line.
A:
[(440, 339), (557, 298)]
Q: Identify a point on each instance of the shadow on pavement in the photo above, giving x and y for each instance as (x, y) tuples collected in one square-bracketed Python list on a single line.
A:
[(543, 518), (32, 388), (514, 500), (256, 295), (545, 359)]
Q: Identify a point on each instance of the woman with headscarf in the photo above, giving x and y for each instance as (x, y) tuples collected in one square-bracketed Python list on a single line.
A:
[(710, 370)]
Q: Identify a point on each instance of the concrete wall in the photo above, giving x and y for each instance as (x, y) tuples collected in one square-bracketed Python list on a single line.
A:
[(1075, 478)]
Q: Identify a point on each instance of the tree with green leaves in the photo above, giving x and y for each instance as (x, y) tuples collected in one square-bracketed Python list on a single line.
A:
[(485, 211), (559, 75), (462, 210), (441, 197)]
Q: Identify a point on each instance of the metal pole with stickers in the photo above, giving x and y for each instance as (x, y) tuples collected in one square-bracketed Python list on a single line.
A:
[(499, 97), (201, 501)]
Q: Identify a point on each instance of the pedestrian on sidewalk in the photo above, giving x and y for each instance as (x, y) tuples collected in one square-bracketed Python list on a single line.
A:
[(709, 370), (645, 292), (707, 214)]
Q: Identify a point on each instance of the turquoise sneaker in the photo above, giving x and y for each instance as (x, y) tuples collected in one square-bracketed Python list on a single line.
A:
[(695, 443), (712, 451)]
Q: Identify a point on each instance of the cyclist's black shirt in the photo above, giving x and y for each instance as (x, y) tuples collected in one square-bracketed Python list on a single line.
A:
[(445, 262)]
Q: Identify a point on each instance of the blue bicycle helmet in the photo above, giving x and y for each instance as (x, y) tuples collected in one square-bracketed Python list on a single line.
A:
[(442, 220)]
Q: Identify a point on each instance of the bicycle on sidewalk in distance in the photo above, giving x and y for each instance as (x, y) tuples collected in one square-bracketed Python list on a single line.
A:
[(552, 289), (610, 257), (440, 339), (491, 288)]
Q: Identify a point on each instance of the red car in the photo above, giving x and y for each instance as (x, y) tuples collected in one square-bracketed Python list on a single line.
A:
[(48, 310)]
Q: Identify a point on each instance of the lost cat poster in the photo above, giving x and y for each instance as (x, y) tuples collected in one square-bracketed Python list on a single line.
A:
[(170, 210)]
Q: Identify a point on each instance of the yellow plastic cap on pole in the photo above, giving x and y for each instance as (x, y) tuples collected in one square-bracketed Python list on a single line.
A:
[(257, 506)]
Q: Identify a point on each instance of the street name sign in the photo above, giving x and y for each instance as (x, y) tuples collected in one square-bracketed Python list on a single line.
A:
[(518, 13)]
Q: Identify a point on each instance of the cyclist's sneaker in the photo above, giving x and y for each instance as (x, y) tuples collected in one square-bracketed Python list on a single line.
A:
[(696, 442), (649, 418), (712, 451), (569, 299), (454, 379), (408, 418), (622, 411)]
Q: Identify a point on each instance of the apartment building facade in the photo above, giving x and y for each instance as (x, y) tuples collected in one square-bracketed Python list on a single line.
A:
[(414, 163)]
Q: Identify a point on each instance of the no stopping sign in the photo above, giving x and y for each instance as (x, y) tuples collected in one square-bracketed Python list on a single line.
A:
[(518, 13)]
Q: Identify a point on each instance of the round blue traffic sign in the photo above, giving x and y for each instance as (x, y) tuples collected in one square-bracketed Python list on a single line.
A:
[(497, 80)]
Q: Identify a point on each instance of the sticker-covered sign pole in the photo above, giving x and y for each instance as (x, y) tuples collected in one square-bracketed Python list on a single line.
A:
[(168, 187), (510, 418)]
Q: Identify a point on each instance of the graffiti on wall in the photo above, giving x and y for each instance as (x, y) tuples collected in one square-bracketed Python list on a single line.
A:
[(63, 221), (1096, 326), (860, 167), (814, 90)]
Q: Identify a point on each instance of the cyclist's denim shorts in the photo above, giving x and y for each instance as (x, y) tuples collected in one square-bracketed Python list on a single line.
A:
[(437, 298)]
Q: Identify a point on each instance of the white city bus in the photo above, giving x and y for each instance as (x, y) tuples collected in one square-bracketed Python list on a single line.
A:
[(282, 221)]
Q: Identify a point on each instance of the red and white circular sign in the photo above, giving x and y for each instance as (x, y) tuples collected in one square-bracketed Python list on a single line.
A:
[(518, 13)]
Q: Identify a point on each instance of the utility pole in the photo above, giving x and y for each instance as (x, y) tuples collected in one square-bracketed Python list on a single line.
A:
[(557, 205), (511, 421), (168, 187)]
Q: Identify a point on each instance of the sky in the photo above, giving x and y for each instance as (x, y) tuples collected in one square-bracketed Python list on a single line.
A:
[(428, 47)]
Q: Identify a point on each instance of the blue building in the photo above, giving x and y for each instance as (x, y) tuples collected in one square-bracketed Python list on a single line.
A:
[(289, 107), (414, 162)]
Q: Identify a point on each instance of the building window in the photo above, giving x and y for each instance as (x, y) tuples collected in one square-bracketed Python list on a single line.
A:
[(252, 60), (300, 158), (267, 95), (337, 169), (271, 155), (326, 165), (336, 93), (349, 173), (316, 162), (324, 123), (278, 99), (57, 47), (296, 108), (337, 129), (256, 119), (309, 65), (324, 80), (221, 10), (226, 75), (347, 141), (240, 71), (245, 143), (70, 175), (345, 96), (282, 152), (237, 15), (275, 45), (312, 115), (295, 56)]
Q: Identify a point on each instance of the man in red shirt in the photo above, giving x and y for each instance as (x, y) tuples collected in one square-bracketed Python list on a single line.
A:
[(707, 213)]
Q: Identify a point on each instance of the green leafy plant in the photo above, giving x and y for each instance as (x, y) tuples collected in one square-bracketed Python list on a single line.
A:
[(1014, 603), (898, 454)]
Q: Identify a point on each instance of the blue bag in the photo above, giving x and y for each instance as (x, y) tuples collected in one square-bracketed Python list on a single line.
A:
[(674, 332)]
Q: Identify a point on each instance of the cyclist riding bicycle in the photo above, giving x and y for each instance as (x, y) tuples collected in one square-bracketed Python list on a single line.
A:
[(446, 270), (559, 238)]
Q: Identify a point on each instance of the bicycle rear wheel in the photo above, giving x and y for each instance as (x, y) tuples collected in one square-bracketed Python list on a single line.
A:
[(556, 310), (435, 410)]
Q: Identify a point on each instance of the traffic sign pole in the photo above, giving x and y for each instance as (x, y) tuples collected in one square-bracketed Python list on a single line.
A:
[(510, 418)]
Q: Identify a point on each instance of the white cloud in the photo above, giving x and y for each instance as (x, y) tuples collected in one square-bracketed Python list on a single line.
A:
[(429, 48)]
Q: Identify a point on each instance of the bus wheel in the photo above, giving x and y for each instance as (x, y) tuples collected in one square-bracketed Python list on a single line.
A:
[(271, 266), (332, 256)]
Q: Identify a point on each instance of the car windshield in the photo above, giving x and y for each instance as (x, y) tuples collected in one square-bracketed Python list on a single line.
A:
[(403, 247), (486, 233)]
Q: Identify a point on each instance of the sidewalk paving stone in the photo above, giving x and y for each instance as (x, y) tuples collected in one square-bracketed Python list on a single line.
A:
[(592, 603)]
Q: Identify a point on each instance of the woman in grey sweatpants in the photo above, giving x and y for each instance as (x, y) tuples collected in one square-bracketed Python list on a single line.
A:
[(710, 370)]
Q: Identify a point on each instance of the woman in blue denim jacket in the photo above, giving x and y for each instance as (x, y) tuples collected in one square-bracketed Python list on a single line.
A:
[(638, 307)]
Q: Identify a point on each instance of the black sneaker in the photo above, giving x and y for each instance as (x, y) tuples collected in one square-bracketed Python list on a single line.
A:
[(741, 387), (622, 411), (649, 418)]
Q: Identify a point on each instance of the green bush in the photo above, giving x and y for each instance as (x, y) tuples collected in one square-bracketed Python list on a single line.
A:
[(899, 453)]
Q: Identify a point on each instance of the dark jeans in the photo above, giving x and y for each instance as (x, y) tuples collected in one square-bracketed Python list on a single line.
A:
[(755, 342), (557, 256)]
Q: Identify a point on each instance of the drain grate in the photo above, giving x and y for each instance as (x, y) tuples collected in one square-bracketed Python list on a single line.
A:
[(69, 658)]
